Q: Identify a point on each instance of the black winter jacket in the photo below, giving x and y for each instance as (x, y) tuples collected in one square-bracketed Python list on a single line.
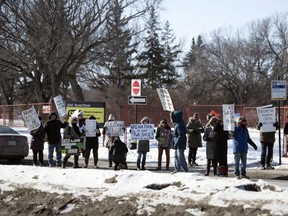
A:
[(53, 131)]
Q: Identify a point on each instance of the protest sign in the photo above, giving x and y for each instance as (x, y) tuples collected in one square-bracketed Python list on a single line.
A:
[(90, 127), (60, 106), (31, 118), (228, 117), (165, 99), (165, 138), (266, 115), (142, 131), (72, 147), (114, 128)]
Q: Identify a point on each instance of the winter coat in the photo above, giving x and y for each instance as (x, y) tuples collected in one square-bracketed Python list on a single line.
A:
[(267, 137), (70, 133), (179, 136), (143, 146), (221, 143), (194, 130), (108, 140), (37, 141), (242, 138), (210, 137), (92, 142), (118, 150), (164, 136), (53, 129)]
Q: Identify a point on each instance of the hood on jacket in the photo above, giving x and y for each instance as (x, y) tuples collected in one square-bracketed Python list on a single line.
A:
[(92, 117), (111, 117), (144, 119), (176, 116), (52, 113)]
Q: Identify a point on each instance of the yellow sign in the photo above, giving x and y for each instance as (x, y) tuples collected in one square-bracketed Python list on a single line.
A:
[(97, 109)]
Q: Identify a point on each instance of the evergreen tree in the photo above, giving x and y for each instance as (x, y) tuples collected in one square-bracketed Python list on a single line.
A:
[(115, 63), (171, 51), (151, 60)]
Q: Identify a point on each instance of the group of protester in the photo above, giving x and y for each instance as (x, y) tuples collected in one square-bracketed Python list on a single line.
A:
[(182, 136)]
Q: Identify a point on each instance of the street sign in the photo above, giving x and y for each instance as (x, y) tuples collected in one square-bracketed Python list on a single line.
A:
[(278, 90), (134, 100), (135, 87)]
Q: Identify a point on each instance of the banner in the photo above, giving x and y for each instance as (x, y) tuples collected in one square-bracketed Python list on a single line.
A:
[(266, 115), (142, 131), (72, 147), (31, 118), (165, 99), (60, 106), (115, 128), (90, 127), (228, 117)]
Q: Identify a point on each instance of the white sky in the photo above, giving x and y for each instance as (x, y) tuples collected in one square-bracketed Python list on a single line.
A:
[(190, 18), (218, 191)]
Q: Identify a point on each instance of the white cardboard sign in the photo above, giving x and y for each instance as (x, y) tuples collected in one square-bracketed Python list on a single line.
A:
[(228, 117), (142, 131), (267, 117), (31, 118), (60, 106), (90, 127), (114, 128), (165, 99)]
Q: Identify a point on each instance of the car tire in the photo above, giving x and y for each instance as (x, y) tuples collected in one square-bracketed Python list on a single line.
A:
[(16, 160)]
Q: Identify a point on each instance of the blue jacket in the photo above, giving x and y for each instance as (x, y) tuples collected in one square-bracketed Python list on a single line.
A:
[(241, 140), (179, 136)]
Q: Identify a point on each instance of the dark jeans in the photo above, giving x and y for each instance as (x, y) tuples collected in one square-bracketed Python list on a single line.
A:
[(95, 154), (266, 148), (35, 153), (192, 154)]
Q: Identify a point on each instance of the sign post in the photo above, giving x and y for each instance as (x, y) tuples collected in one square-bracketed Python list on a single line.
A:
[(135, 98), (278, 92)]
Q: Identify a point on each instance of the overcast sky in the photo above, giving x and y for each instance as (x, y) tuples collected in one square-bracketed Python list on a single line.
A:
[(189, 18)]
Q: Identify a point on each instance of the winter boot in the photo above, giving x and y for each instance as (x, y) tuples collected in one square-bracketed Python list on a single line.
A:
[(110, 163), (76, 165), (64, 162), (207, 168)]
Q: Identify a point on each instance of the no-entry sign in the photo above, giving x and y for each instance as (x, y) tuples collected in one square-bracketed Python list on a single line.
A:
[(135, 87)]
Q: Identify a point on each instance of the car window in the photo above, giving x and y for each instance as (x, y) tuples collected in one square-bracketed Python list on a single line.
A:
[(7, 130)]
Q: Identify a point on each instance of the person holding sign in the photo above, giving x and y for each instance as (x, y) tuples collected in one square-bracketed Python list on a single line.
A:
[(179, 141), (53, 130), (164, 138), (92, 141), (267, 140), (37, 144), (72, 132), (108, 139), (142, 147), (194, 130), (240, 146)]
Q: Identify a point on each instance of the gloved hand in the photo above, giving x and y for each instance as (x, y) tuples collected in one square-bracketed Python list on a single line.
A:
[(275, 124), (254, 146), (260, 124)]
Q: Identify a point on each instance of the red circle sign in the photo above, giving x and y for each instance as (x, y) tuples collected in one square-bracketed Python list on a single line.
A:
[(136, 87)]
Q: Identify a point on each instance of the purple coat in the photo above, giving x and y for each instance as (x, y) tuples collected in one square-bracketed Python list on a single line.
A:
[(37, 141)]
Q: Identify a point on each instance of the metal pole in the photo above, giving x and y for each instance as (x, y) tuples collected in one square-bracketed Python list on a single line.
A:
[(136, 114), (279, 130)]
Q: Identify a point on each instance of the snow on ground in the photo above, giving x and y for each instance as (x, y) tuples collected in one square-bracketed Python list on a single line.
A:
[(194, 186)]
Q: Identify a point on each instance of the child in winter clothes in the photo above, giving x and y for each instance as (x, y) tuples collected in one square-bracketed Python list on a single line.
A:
[(142, 147), (240, 146), (37, 144), (118, 151), (210, 137), (164, 138)]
